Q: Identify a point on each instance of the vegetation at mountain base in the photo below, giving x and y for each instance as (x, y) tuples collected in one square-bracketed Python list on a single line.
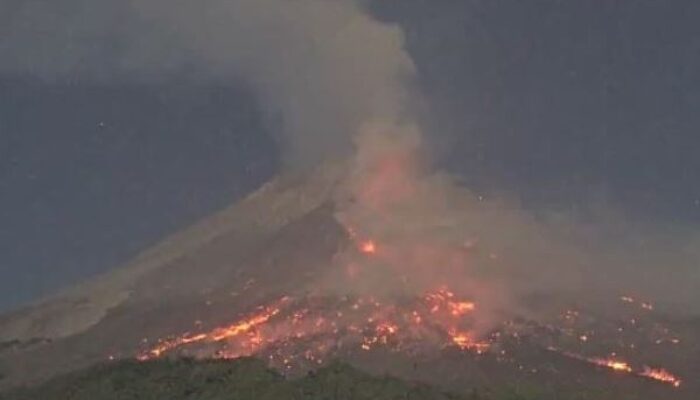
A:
[(242, 379)]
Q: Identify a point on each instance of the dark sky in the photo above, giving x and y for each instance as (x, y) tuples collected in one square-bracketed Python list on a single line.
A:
[(552, 102)]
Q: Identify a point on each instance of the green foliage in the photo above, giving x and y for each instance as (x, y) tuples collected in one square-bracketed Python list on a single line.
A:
[(342, 382), (244, 379)]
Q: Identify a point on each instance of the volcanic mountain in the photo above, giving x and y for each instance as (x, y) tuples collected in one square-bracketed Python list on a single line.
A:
[(308, 269)]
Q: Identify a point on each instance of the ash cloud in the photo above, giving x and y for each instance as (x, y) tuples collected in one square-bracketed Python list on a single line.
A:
[(321, 68), (428, 232), (331, 79)]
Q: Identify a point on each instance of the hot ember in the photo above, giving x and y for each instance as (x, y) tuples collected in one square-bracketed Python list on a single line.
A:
[(366, 322), (618, 365)]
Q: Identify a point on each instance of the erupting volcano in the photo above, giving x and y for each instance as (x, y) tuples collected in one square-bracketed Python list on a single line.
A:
[(410, 280), (360, 249), (369, 261)]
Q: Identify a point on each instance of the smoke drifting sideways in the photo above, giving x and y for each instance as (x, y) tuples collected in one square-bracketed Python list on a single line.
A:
[(334, 81), (415, 236), (321, 68)]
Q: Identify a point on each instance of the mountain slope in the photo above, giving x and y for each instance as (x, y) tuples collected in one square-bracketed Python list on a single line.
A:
[(275, 276), (210, 269), (242, 379)]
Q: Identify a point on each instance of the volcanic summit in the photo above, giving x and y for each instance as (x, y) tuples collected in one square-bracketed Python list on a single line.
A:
[(365, 260)]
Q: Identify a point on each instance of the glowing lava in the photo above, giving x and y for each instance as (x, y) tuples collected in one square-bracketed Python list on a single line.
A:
[(215, 335), (368, 247), (612, 364), (465, 341), (659, 375), (364, 321)]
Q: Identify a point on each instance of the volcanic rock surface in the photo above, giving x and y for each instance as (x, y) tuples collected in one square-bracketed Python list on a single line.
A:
[(254, 280)]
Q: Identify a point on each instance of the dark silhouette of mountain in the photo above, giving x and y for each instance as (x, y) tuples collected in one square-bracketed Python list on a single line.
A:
[(240, 379), (275, 242)]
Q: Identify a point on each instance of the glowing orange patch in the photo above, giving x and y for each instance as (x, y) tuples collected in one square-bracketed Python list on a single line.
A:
[(660, 375), (368, 247)]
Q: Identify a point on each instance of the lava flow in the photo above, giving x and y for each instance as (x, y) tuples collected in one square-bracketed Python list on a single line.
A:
[(295, 333), (302, 332), (404, 249), (618, 365), (362, 322), (215, 335), (660, 375)]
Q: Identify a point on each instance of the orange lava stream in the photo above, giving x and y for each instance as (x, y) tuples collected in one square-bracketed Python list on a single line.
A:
[(215, 335), (659, 375), (293, 330), (612, 364), (465, 341), (369, 321)]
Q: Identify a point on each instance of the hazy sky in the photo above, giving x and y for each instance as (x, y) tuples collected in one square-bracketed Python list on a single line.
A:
[(557, 103)]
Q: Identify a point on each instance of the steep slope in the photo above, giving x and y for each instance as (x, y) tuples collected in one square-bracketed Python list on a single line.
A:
[(301, 272), (209, 267)]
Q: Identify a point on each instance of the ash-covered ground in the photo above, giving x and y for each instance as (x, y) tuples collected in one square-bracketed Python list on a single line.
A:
[(280, 277)]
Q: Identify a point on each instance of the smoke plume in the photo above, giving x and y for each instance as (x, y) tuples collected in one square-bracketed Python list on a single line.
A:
[(335, 81), (322, 69)]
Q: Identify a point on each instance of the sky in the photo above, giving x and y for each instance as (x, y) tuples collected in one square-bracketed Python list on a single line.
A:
[(555, 103)]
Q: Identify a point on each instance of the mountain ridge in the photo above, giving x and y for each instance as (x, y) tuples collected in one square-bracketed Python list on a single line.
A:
[(77, 308)]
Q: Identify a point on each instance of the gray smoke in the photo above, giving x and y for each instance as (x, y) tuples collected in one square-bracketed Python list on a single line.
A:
[(322, 68), (332, 78)]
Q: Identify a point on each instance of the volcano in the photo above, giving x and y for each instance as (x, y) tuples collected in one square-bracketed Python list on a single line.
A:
[(309, 269)]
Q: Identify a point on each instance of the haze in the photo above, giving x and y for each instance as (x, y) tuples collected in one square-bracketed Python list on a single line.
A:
[(116, 131)]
